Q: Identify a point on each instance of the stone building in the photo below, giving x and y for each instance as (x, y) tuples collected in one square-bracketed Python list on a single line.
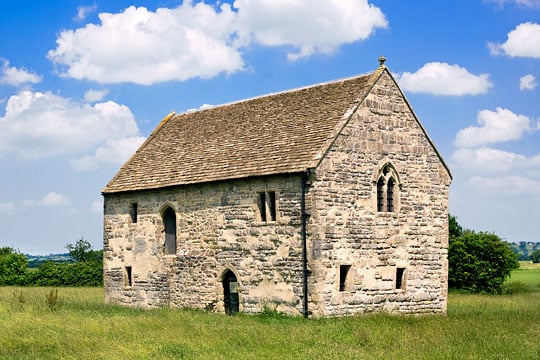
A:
[(324, 200)]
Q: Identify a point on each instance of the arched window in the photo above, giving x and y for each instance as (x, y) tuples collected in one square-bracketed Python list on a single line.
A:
[(169, 222), (387, 189)]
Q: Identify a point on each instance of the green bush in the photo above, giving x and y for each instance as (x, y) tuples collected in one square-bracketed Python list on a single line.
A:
[(535, 256), (12, 267), (479, 262)]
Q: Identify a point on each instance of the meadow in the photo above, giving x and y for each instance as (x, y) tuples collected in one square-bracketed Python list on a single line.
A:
[(77, 325)]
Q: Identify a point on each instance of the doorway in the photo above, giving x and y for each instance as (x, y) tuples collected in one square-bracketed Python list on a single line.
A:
[(230, 293)]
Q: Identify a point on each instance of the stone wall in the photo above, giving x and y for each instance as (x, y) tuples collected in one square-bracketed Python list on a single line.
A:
[(346, 228), (218, 228)]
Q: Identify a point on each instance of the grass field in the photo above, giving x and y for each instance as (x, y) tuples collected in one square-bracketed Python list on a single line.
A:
[(79, 326)]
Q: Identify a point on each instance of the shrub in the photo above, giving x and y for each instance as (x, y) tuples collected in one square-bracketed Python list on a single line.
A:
[(479, 262), (535, 256), (12, 267)]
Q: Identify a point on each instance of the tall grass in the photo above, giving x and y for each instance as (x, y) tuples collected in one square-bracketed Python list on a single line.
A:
[(80, 326)]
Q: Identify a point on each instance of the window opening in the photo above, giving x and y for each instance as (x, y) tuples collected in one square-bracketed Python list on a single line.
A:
[(266, 204), (380, 194), (272, 205), (387, 189), (343, 272), (390, 195), (399, 278), (169, 222), (262, 206), (133, 212), (128, 280)]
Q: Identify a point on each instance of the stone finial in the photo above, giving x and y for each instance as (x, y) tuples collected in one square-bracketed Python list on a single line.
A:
[(381, 59)]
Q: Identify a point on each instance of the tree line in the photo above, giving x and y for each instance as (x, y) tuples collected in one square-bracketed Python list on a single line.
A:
[(85, 270)]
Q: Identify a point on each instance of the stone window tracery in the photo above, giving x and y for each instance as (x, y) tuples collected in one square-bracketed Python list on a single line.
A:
[(387, 184)]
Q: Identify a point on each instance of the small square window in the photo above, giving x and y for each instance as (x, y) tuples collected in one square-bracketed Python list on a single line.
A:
[(343, 272)]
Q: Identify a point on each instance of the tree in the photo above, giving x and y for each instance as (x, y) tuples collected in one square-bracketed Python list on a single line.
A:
[(455, 230), (535, 256), (479, 262), (80, 251), (12, 267)]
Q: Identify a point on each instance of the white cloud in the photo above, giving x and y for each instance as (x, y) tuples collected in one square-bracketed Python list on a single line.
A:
[(146, 47), (55, 199), (95, 95), (201, 40), (523, 41), (310, 26), (486, 160), (115, 152), (523, 3), (443, 79), (496, 126), (13, 76), (527, 82), (517, 185), (83, 11), (38, 125)]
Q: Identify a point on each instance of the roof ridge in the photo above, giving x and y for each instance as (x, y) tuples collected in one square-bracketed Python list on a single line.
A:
[(286, 91)]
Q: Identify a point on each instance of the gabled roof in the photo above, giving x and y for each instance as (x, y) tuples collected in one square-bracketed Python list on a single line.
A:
[(286, 132)]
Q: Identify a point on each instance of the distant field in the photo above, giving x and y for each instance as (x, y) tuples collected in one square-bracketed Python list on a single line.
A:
[(79, 326)]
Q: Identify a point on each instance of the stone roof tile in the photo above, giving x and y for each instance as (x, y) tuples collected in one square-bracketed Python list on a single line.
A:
[(286, 132)]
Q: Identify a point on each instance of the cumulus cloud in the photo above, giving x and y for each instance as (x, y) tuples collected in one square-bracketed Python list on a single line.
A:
[(201, 40), (309, 26), (95, 95), (495, 126), (146, 47), (527, 82), (115, 152), (443, 79), (10, 75), (513, 184), (523, 41), (55, 199), (83, 11), (488, 160), (37, 125)]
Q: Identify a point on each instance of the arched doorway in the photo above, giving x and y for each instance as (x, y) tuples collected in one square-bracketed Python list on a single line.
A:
[(169, 222), (230, 293)]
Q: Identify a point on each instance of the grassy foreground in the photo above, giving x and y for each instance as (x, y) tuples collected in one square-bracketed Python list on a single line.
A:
[(79, 326)]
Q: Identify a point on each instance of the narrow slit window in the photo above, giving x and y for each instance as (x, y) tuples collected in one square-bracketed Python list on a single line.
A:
[(390, 195), (133, 211), (128, 276), (267, 206), (261, 203), (380, 195), (272, 205), (400, 272), (343, 272)]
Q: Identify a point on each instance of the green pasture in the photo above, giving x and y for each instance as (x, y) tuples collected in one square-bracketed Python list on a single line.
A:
[(77, 325)]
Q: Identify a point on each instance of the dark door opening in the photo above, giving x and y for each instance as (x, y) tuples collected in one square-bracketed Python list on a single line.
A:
[(230, 293)]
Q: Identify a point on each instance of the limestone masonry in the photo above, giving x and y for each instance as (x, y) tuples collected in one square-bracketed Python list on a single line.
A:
[(321, 201)]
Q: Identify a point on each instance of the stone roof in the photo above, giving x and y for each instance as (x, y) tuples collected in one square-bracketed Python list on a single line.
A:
[(286, 132)]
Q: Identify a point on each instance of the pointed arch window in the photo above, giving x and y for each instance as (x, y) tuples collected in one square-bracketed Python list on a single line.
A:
[(387, 189), (169, 222)]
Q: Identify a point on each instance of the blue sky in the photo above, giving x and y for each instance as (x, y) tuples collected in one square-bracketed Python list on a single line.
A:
[(83, 83)]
